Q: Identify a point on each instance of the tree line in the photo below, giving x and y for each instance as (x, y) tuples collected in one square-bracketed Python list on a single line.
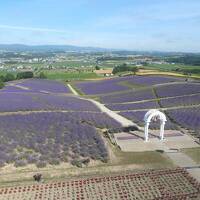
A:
[(20, 75), (125, 68)]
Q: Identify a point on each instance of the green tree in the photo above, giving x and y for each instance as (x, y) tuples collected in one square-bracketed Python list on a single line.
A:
[(9, 77), (124, 68), (134, 70), (97, 67), (2, 78), (23, 75), (1, 84)]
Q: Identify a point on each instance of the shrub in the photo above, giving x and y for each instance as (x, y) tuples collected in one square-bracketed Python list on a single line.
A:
[(23, 75), (41, 164), (20, 163), (85, 161), (76, 163), (54, 161)]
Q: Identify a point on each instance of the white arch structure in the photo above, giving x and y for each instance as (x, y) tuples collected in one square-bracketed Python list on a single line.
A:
[(154, 115)]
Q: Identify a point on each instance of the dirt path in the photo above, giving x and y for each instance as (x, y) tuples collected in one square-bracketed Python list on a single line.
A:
[(122, 120), (73, 90)]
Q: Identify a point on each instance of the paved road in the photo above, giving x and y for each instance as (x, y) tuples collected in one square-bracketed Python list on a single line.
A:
[(182, 160)]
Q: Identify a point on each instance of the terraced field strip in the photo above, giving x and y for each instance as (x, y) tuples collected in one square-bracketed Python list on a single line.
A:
[(169, 108), (167, 184), (155, 99), (46, 111)]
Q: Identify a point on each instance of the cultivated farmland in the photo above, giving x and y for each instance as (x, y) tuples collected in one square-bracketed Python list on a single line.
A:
[(44, 127)]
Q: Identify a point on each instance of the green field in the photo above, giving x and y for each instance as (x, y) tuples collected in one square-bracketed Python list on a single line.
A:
[(171, 67), (69, 75)]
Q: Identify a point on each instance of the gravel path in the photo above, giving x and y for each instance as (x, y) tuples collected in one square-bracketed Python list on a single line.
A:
[(122, 120), (73, 90)]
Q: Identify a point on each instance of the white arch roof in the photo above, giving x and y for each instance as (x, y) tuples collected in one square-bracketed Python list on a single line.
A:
[(154, 112)]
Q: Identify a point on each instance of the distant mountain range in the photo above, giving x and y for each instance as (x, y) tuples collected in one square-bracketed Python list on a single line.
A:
[(48, 48), (72, 48)]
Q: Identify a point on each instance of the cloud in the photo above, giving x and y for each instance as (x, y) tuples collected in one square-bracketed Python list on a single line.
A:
[(23, 28)]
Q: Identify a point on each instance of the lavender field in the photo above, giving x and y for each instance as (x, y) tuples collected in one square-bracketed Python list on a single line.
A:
[(153, 80), (51, 138), (39, 85), (133, 106), (11, 102), (186, 117), (130, 96), (138, 117), (102, 87), (115, 84), (64, 128), (181, 101), (178, 89)]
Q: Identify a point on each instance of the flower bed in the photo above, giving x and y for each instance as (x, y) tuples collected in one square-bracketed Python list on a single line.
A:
[(167, 184)]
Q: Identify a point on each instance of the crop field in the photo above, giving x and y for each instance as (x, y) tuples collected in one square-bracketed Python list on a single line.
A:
[(44, 126), (138, 116), (18, 101), (133, 96), (49, 126), (168, 184), (186, 117), (60, 75), (115, 85)]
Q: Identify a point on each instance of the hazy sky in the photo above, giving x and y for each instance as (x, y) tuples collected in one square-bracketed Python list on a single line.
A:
[(169, 25)]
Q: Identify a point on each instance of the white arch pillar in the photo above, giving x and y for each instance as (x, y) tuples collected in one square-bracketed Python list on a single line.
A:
[(162, 129), (146, 131)]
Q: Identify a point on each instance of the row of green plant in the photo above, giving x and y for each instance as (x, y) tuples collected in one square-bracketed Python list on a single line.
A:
[(20, 75)]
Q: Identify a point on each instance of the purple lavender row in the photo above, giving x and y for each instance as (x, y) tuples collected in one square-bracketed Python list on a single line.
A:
[(133, 106), (130, 96), (181, 101), (46, 85), (152, 80), (186, 117), (43, 138), (28, 101), (100, 87), (178, 89), (113, 85), (138, 118), (13, 89)]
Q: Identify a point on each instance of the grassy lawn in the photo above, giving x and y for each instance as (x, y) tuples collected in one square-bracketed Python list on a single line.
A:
[(194, 153), (148, 159), (71, 63), (69, 75)]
